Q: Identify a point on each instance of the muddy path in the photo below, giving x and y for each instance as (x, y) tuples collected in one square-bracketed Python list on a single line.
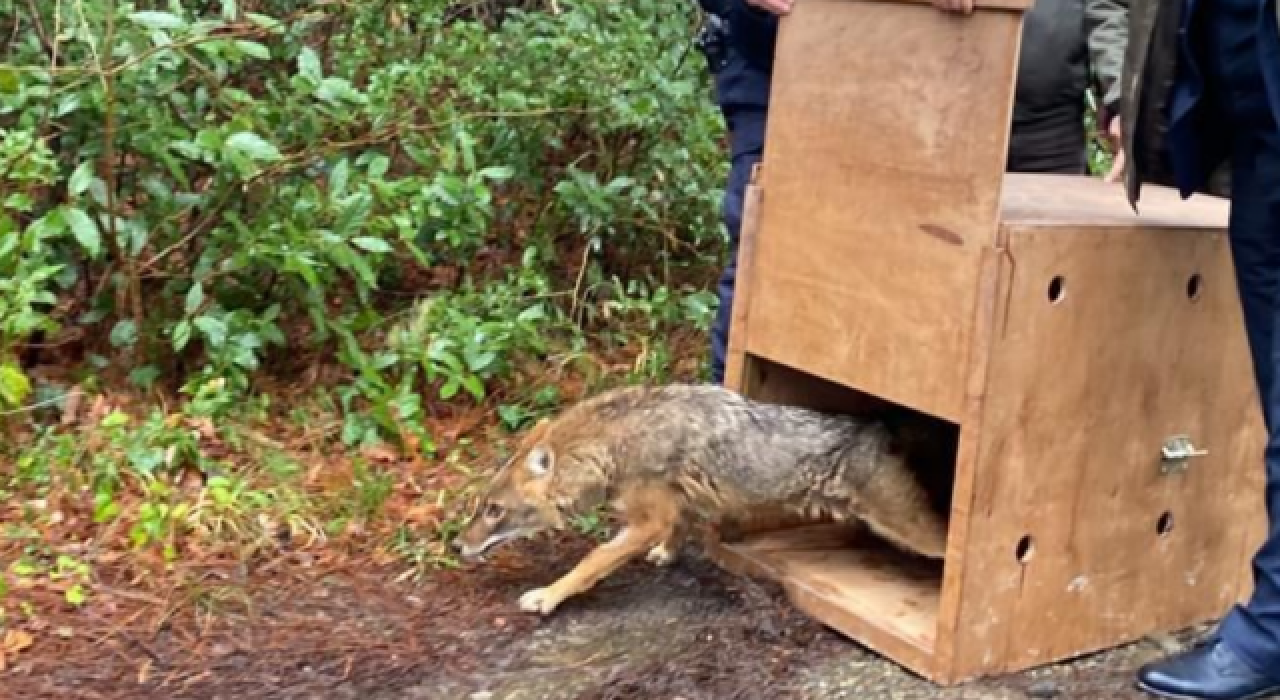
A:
[(350, 631)]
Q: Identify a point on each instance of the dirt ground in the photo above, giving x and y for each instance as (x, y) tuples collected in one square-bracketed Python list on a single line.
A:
[(298, 627)]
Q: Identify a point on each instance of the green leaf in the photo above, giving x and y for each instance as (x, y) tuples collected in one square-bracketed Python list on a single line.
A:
[(8, 243), (619, 183), (214, 330), (254, 49), (339, 90), (24, 569), (181, 335), (76, 596), (371, 244), (10, 81), (115, 419), (252, 146), (379, 167), (195, 297), (67, 104), (85, 231), (144, 376), (152, 19), (81, 179), (104, 506), (124, 334), (533, 313), (351, 219), (309, 65), (497, 173), (267, 22), (338, 178), (14, 385), (229, 10), (513, 416), (475, 387), (482, 361)]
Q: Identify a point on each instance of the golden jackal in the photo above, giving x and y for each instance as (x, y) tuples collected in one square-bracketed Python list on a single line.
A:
[(662, 457)]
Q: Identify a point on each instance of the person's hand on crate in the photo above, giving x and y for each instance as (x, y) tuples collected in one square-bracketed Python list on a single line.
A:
[(1114, 138), (775, 7)]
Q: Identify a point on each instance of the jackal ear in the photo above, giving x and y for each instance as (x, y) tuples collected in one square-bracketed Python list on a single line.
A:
[(539, 461)]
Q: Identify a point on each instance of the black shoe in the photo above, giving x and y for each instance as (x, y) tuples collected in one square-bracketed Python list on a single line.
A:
[(1210, 672)]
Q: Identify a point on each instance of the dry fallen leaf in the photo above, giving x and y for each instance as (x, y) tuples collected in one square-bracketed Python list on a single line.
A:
[(144, 672), (98, 409), (71, 407), (423, 514), (14, 642), (380, 452), (202, 426), (191, 479)]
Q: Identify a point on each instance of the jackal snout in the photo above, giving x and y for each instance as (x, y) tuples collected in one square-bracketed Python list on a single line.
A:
[(516, 504)]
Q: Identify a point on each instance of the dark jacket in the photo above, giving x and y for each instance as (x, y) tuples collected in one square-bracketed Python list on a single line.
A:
[(744, 80), (1066, 46), (1147, 81)]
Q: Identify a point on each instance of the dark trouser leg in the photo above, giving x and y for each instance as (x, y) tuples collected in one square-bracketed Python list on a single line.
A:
[(1253, 630), (1244, 660), (746, 137)]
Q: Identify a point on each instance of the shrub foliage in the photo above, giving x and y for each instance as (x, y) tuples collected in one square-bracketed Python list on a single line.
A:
[(427, 190)]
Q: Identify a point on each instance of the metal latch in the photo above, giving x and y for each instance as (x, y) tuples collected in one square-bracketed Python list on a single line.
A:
[(1175, 454)]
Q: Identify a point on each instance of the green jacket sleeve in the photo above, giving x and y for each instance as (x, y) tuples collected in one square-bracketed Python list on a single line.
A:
[(1108, 26)]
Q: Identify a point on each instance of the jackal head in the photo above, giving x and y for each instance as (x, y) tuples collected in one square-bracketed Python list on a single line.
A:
[(529, 494)]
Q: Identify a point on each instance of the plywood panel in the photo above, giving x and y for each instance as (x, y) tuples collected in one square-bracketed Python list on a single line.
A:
[(881, 194), (989, 311), (735, 358), (1087, 204), (1081, 395), (886, 600)]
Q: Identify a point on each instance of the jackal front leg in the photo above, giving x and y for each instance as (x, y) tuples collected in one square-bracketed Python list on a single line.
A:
[(652, 519), (665, 552)]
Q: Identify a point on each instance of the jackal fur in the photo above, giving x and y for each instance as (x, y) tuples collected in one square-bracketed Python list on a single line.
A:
[(663, 458)]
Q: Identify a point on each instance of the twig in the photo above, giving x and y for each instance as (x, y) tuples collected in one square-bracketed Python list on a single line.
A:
[(40, 31), (109, 158), (35, 406), (130, 595), (93, 45), (202, 226), (577, 285), (57, 32)]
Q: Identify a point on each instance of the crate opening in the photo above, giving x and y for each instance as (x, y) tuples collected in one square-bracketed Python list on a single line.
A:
[(843, 574)]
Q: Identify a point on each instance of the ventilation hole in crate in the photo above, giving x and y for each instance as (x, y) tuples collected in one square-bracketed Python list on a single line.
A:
[(1026, 549), (1164, 525), (1193, 287), (1057, 289)]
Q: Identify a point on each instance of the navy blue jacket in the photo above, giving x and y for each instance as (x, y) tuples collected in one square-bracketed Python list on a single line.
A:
[(1195, 151), (744, 80)]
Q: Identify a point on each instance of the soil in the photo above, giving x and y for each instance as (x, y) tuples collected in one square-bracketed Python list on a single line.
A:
[(301, 627)]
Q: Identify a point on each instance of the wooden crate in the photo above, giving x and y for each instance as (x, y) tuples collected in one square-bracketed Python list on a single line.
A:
[(1062, 338)]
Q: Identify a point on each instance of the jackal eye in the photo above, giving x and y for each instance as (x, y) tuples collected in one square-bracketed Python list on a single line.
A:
[(493, 511)]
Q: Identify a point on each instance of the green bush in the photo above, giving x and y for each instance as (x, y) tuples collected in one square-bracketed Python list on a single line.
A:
[(218, 189)]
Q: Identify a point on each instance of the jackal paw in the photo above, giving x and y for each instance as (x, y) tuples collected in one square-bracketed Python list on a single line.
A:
[(539, 600), (661, 555)]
